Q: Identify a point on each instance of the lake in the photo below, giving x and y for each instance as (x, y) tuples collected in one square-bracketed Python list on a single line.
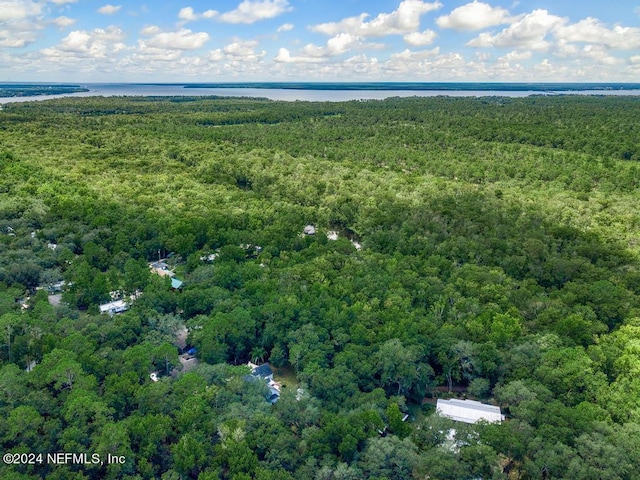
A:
[(320, 93)]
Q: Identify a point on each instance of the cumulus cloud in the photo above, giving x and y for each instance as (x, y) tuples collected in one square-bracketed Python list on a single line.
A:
[(591, 30), (96, 43), (600, 54), (285, 27), (474, 16), (405, 19), (150, 30), (21, 20), (215, 55), (516, 56), (422, 64), (351, 32), (243, 50), (188, 15), (418, 39), (528, 32), (18, 9), (63, 22), (109, 9), (337, 45), (250, 11), (409, 55), (183, 39), (11, 39), (284, 56)]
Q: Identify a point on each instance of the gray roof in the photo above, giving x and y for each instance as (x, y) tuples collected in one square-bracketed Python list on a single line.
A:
[(263, 370), (468, 411)]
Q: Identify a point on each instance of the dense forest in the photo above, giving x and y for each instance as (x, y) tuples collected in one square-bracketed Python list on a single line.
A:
[(480, 248)]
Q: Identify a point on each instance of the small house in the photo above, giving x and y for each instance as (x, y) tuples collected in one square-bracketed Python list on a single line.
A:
[(161, 268), (112, 308), (309, 230), (469, 411), (57, 287), (264, 373)]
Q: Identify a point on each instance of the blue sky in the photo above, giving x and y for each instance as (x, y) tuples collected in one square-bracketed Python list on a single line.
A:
[(319, 40)]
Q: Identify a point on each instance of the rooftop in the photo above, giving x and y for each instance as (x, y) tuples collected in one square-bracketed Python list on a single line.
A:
[(468, 411), (114, 307)]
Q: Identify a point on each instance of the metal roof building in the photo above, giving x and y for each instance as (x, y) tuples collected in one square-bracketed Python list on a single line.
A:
[(112, 308), (468, 411)]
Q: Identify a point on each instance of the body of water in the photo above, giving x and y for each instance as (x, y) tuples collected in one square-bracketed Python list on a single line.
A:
[(338, 92)]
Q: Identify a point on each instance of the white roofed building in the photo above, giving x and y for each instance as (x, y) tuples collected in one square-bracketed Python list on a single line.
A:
[(468, 411), (112, 308)]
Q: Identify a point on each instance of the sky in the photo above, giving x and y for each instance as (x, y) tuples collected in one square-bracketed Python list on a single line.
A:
[(320, 40)]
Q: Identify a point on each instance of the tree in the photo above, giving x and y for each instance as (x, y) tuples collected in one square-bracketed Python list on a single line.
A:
[(394, 417), (113, 439), (24, 427), (136, 275), (60, 369), (389, 457), (8, 324), (398, 365)]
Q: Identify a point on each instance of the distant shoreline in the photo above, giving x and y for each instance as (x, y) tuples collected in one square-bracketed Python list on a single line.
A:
[(12, 90), (420, 86)]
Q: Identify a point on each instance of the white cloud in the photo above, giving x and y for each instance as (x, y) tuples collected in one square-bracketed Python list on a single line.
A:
[(337, 45), (187, 14), (243, 50), (405, 19), (150, 30), (424, 64), (146, 55), (109, 9), (600, 54), (21, 20), (361, 65), (215, 55), (285, 27), (350, 24), (565, 49), (418, 39), (63, 22), (284, 56), (183, 39), (591, 30), (62, 2), (11, 39), (515, 56), (250, 11), (77, 41), (350, 32), (18, 9), (97, 43), (414, 56), (474, 16), (528, 32)]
